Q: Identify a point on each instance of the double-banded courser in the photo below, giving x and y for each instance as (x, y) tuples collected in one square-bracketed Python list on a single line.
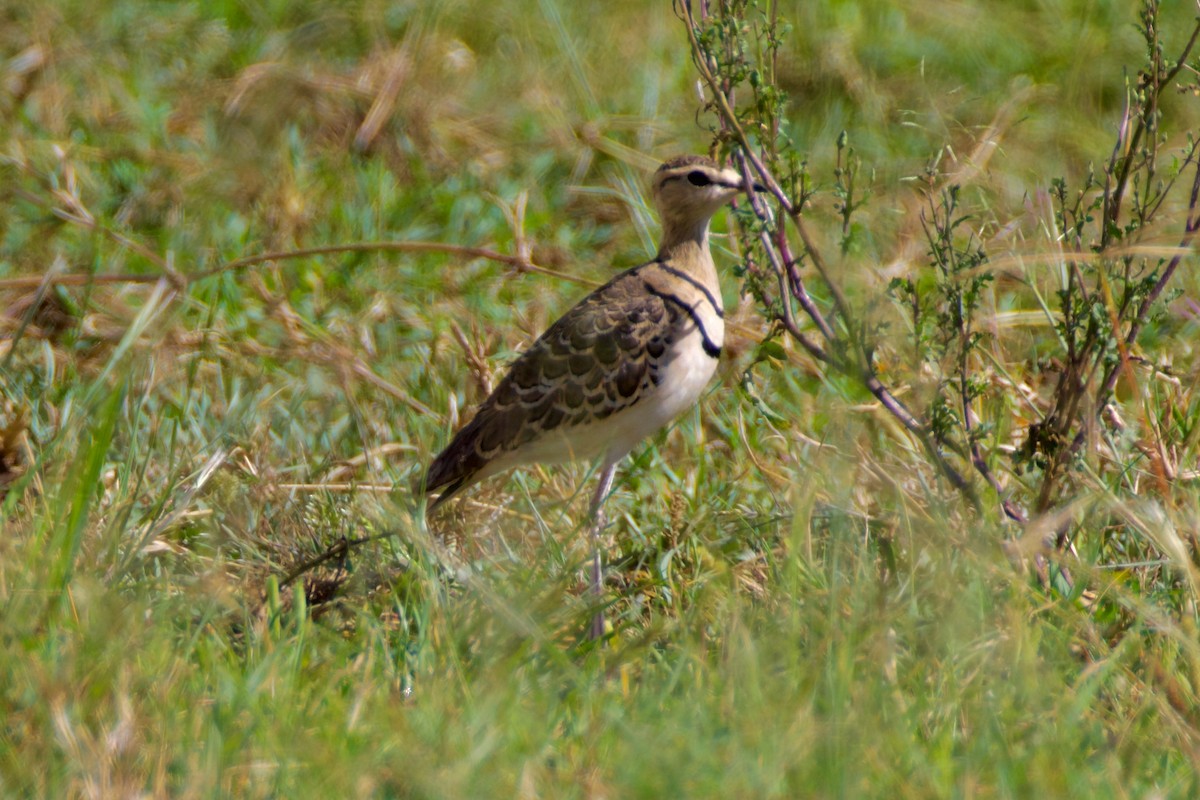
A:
[(617, 367)]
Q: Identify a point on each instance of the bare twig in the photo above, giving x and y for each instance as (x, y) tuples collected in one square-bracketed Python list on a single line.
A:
[(82, 279), (73, 279), (519, 263), (338, 550)]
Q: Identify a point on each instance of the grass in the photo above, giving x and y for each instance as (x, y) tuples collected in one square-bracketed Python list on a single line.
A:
[(801, 607)]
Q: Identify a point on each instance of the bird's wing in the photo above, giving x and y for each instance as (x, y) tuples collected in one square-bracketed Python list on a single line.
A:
[(600, 357)]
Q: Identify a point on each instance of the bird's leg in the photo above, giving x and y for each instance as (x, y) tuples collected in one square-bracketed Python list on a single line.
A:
[(596, 522)]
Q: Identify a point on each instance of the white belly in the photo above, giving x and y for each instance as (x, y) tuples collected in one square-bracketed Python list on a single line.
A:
[(681, 382)]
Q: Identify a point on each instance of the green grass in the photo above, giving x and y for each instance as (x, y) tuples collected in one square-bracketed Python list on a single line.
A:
[(801, 608)]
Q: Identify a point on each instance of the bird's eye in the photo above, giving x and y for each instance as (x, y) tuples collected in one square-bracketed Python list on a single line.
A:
[(698, 178)]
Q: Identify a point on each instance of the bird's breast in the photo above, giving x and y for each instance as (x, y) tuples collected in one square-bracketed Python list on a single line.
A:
[(687, 368)]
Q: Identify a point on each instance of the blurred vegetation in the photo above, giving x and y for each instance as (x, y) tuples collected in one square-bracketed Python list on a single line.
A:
[(801, 607)]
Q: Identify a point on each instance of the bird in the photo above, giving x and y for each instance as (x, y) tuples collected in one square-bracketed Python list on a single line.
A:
[(617, 367)]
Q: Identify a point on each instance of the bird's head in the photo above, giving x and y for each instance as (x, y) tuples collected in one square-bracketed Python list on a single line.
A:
[(688, 190)]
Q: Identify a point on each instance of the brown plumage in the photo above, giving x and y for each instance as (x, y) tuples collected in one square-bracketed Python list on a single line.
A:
[(621, 364), (600, 358)]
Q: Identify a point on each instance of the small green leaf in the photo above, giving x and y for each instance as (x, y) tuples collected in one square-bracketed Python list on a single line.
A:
[(771, 349)]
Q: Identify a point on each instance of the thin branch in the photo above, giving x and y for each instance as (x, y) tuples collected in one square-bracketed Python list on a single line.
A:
[(1191, 227), (1113, 202), (74, 279), (780, 253), (337, 550), (83, 279), (728, 114), (89, 222), (518, 263)]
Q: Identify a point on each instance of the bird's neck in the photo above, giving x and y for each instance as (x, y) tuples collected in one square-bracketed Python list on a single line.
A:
[(686, 247)]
